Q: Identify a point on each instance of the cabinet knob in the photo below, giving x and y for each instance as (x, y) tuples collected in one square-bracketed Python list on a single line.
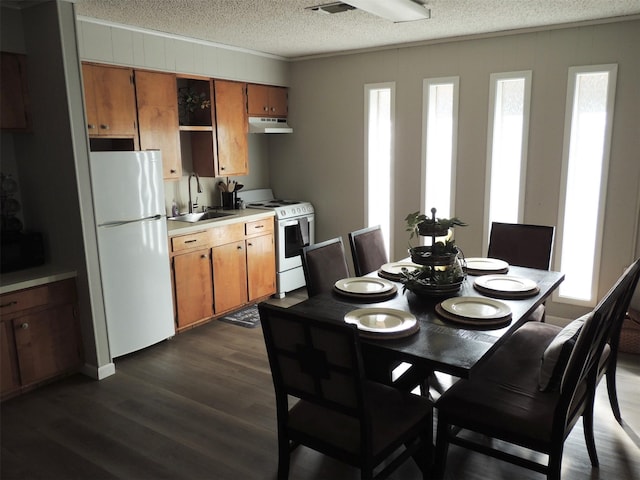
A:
[(239, 247), (250, 244), (173, 170), (273, 109), (91, 125), (204, 255), (266, 109), (222, 168), (104, 127), (24, 326)]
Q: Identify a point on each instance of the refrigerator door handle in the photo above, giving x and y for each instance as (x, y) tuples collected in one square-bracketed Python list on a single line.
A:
[(125, 222)]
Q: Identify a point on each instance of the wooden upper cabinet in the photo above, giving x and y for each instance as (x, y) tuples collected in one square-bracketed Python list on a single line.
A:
[(110, 101), (231, 128), (158, 118), (14, 102), (267, 101)]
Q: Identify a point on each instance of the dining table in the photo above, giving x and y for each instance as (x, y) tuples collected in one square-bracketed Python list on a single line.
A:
[(437, 343)]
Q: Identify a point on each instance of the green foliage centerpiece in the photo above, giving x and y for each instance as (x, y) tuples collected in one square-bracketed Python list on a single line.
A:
[(441, 263)]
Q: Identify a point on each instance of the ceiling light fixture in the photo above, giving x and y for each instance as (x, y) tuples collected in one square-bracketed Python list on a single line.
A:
[(328, 8), (394, 10)]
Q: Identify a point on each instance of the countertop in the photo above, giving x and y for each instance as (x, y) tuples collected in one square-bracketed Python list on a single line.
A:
[(33, 277), (246, 215)]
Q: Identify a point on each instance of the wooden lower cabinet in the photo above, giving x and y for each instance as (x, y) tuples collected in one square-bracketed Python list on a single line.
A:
[(193, 287), (39, 336), (222, 269), (229, 276)]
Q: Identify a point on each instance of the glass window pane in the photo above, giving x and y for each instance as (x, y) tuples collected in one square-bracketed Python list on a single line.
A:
[(584, 168)]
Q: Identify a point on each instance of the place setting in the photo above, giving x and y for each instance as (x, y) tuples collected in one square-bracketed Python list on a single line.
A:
[(368, 289), (476, 311), (393, 270), (506, 286), (485, 266), (383, 323)]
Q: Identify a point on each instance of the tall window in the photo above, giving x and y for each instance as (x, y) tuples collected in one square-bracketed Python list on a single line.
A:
[(379, 119), (587, 139), (440, 125), (509, 100)]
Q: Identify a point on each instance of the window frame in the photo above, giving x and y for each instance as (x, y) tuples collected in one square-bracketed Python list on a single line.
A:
[(527, 75), (368, 87), (427, 83), (573, 73)]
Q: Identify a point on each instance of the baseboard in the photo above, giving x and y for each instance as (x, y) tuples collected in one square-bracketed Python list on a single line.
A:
[(99, 373)]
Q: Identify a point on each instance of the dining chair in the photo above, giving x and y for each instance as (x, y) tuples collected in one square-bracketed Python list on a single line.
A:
[(338, 411), (520, 399), (523, 245), (367, 249), (323, 264)]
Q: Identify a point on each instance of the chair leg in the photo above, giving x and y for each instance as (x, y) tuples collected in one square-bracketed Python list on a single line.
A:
[(284, 450), (611, 389), (442, 448), (555, 464), (587, 422)]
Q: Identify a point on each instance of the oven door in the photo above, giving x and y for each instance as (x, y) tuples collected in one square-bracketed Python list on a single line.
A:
[(292, 235)]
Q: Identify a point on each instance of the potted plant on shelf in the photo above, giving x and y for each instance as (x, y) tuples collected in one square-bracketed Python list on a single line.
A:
[(441, 263), (190, 101)]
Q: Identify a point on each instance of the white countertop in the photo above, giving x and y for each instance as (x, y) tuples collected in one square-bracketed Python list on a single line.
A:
[(247, 215), (33, 277)]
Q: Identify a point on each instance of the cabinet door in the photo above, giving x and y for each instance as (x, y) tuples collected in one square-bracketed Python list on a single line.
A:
[(193, 286), (110, 100), (158, 118), (231, 128), (47, 343), (9, 376), (258, 100), (14, 111), (278, 101), (261, 266), (229, 276)]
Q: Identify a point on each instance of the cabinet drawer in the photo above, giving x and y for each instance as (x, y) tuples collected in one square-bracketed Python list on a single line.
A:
[(55, 293), (259, 227), (187, 242), (227, 234)]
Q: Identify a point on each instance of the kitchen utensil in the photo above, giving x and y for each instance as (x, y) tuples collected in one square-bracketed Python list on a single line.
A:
[(222, 186)]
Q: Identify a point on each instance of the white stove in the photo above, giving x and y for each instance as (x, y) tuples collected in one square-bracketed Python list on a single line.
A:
[(295, 228)]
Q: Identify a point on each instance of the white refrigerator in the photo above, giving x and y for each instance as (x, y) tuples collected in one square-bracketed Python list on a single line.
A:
[(128, 197)]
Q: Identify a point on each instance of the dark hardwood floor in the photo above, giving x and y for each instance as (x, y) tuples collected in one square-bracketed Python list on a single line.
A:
[(201, 406)]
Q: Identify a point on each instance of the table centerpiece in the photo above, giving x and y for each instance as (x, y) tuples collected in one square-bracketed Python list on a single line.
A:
[(441, 264)]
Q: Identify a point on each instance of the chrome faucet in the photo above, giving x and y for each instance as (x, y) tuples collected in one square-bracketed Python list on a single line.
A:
[(192, 205)]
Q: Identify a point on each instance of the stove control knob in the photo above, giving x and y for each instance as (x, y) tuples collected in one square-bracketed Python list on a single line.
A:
[(283, 212)]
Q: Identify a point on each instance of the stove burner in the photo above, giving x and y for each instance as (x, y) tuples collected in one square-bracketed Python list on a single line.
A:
[(274, 203)]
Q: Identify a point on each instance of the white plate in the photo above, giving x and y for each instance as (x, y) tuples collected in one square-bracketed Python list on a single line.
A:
[(476, 307), (381, 320), (395, 268), (506, 283), (364, 285), (486, 264)]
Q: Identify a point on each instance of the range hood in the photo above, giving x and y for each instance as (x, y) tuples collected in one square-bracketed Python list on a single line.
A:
[(269, 125)]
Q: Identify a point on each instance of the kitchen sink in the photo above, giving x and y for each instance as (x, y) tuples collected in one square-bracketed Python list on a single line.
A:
[(198, 217)]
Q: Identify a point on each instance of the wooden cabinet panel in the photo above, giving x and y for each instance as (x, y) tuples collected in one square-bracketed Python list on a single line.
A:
[(14, 100), (229, 276), (40, 335), (158, 118), (267, 101), (261, 266), (9, 374), (47, 343), (193, 287), (259, 227), (194, 240), (110, 101), (231, 128)]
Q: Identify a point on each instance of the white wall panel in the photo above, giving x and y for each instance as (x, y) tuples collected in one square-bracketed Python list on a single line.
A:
[(122, 42)]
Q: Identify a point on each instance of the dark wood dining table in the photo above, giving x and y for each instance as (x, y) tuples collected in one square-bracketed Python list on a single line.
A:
[(439, 344)]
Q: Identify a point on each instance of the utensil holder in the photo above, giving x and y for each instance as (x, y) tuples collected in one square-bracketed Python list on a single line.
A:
[(228, 200)]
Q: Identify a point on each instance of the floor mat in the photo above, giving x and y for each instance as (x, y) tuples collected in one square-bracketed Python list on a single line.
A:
[(247, 317)]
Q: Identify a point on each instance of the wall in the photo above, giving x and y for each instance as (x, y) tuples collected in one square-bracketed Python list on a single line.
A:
[(323, 160)]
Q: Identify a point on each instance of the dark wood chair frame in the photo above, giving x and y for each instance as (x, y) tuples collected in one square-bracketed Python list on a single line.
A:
[(313, 287), (511, 242), (304, 369), (575, 399), (367, 250)]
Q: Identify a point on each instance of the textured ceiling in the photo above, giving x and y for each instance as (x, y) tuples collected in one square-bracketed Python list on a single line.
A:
[(284, 28)]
